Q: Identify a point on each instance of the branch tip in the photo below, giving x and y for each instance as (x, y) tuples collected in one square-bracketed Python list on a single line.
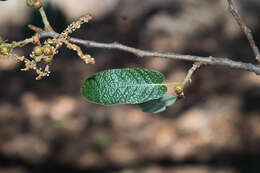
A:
[(248, 33)]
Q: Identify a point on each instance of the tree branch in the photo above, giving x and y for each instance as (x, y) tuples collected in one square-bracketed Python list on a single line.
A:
[(142, 53), (244, 28), (47, 25)]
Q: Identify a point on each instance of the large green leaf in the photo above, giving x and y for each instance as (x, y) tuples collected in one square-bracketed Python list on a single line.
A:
[(157, 105), (124, 86)]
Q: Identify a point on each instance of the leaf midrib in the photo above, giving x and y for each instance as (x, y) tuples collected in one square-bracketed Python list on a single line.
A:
[(125, 86)]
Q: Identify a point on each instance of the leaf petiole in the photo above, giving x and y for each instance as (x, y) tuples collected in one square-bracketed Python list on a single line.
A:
[(172, 84)]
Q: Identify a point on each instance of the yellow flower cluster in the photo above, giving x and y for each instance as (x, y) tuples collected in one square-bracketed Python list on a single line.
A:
[(42, 55)]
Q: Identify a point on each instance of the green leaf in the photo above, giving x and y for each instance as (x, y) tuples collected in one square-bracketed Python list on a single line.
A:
[(124, 86), (158, 105)]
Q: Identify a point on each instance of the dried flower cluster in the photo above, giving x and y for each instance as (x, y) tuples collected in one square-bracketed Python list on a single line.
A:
[(63, 38), (42, 55)]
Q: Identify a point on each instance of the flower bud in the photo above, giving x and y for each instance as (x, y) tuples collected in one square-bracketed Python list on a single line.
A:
[(47, 50), (179, 90), (30, 3), (48, 60), (37, 4), (1, 40), (4, 50), (37, 50)]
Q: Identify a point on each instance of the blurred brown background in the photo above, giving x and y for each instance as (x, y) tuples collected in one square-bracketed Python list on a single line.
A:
[(47, 126)]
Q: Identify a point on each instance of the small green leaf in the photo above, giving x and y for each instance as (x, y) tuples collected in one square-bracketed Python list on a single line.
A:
[(124, 86), (158, 105)]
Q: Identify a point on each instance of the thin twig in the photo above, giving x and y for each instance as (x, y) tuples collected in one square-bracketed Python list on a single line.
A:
[(46, 23), (34, 28), (142, 53), (194, 67), (244, 28), (22, 43)]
